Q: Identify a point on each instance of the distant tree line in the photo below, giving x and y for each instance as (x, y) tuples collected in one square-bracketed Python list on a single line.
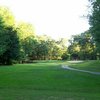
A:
[(20, 44), (87, 45), (83, 47)]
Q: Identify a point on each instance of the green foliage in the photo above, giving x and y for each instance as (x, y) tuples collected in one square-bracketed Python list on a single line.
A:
[(25, 30), (9, 46), (94, 20), (46, 48), (82, 46), (7, 17), (9, 42), (2, 47), (65, 56), (21, 35), (26, 36)]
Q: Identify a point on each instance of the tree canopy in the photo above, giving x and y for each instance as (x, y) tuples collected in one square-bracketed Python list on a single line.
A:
[(94, 20), (7, 16), (20, 43), (9, 45)]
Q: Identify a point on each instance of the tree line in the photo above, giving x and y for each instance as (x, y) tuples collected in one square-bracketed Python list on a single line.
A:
[(87, 44), (83, 47), (19, 43)]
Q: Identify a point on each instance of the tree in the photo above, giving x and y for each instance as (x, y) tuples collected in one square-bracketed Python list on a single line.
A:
[(65, 56), (47, 48), (94, 20), (9, 42), (26, 37), (7, 16), (25, 30), (87, 46), (9, 45), (82, 46)]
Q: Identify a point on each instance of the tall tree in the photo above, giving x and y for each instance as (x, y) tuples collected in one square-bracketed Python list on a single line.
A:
[(94, 20), (9, 45), (82, 46), (9, 42), (26, 36)]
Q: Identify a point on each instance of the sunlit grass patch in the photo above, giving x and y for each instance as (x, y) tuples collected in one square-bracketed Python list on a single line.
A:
[(91, 65)]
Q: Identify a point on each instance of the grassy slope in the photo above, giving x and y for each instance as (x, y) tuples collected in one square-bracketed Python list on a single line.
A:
[(87, 65), (47, 81)]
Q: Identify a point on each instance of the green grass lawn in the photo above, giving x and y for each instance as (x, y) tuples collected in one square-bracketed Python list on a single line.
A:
[(47, 81), (91, 65)]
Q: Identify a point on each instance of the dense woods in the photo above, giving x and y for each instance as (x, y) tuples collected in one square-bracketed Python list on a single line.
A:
[(19, 43)]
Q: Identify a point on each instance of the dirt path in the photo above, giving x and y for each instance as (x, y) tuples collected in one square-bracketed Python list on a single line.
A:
[(69, 68)]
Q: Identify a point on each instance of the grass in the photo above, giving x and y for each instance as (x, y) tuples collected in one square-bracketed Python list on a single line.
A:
[(47, 81), (91, 65)]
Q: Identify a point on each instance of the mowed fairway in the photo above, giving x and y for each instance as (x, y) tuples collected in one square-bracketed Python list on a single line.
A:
[(47, 81)]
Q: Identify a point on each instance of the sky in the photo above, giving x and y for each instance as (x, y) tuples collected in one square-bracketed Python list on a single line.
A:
[(55, 18)]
